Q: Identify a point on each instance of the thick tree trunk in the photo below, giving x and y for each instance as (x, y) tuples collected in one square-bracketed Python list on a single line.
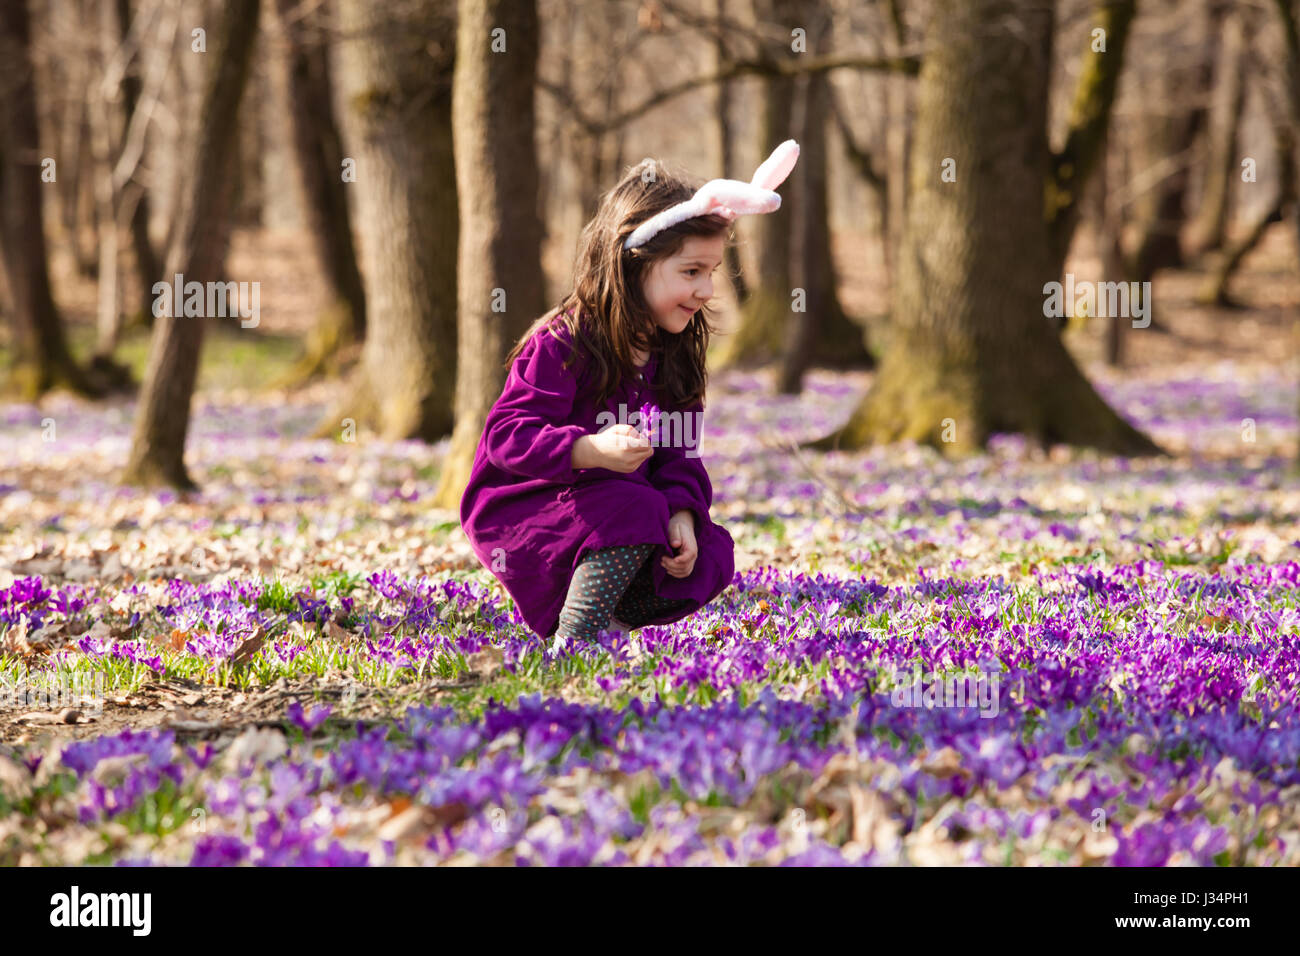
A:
[(500, 232), (41, 359), (318, 156), (972, 353), (163, 415), (1229, 98), (396, 67)]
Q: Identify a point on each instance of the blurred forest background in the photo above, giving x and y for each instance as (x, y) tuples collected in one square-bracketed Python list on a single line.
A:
[(391, 173)]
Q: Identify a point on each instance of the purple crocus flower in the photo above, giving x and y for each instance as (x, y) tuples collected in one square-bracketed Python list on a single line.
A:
[(308, 723)]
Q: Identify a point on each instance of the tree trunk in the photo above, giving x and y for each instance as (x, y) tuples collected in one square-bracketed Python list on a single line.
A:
[(1285, 117), (147, 267), (105, 140), (972, 353), (41, 359), (108, 312), (396, 68), (500, 232), (66, 19), (1176, 101), (318, 156), (900, 109), (822, 331), (1107, 226), (163, 416), (1084, 148), (1229, 98), (760, 335), (727, 152)]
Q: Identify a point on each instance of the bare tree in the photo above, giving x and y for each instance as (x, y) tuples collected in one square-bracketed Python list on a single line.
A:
[(120, 110), (163, 415), (1228, 100), (41, 356), (318, 156), (1175, 115), (821, 331)]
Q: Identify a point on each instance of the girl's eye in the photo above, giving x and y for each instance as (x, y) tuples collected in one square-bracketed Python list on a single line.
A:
[(689, 271)]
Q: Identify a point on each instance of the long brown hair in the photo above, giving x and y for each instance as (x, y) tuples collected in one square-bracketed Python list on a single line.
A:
[(606, 313)]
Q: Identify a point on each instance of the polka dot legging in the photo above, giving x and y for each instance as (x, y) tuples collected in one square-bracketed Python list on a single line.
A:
[(612, 582)]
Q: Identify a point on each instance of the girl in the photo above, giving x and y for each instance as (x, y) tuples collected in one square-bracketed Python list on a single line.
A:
[(588, 499)]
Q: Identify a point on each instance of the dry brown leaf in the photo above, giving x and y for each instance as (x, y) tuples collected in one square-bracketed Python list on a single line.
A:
[(175, 640), (336, 633), (250, 646), (14, 639)]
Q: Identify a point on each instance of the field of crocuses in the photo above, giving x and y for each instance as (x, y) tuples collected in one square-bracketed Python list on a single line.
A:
[(304, 664)]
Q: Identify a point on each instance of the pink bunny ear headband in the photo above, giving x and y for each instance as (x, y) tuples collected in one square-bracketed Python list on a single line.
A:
[(727, 198)]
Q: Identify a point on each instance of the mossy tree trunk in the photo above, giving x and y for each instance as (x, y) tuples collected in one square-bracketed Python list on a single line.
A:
[(1084, 150), (500, 231), (203, 231), (971, 352), (396, 71)]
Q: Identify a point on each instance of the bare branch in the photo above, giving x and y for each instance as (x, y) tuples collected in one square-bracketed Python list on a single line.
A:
[(906, 64)]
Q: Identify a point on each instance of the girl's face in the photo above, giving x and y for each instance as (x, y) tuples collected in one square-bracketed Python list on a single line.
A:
[(677, 287)]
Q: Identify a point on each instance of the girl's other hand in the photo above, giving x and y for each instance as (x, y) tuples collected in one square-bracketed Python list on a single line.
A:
[(681, 535), (620, 448)]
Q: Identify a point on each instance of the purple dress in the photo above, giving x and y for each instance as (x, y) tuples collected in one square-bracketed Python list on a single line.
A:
[(530, 516)]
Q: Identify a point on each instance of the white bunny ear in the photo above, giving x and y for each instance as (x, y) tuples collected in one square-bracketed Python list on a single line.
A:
[(728, 198), (777, 166)]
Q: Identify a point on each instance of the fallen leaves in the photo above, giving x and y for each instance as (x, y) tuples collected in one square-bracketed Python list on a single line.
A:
[(249, 647), (175, 641)]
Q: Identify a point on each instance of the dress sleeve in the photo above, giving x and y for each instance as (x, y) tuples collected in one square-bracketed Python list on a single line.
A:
[(526, 432), (678, 476)]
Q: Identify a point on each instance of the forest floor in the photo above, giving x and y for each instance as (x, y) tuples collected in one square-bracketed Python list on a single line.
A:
[(304, 662)]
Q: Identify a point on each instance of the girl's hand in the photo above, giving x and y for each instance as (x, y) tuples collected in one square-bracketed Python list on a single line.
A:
[(619, 448), (681, 535)]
